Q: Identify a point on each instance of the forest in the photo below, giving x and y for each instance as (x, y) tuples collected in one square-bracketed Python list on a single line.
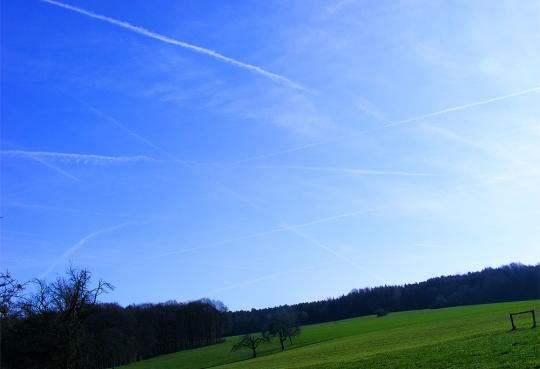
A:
[(62, 324), (511, 282)]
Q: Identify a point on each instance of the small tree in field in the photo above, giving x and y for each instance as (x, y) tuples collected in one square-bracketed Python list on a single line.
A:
[(293, 332), (251, 341), (283, 326)]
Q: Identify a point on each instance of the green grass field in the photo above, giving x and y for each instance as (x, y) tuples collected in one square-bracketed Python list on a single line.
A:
[(462, 337)]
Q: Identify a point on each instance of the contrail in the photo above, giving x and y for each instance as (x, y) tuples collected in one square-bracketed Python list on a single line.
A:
[(396, 123), (126, 129), (53, 167), (270, 231), (140, 138), (465, 106), (495, 151), (182, 44), (81, 243), (276, 275), (71, 210), (332, 251), (276, 153), (76, 158), (344, 170), (321, 246), (144, 140), (247, 283), (257, 280)]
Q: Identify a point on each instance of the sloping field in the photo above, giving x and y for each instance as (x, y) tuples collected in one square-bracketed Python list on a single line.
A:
[(476, 336)]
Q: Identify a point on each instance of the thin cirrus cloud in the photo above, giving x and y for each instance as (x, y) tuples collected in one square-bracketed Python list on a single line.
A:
[(171, 157), (464, 106), (344, 170), (66, 254), (399, 122), (128, 131), (31, 155), (286, 228), (182, 44), (330, 250), (249, 282), (41, 156)]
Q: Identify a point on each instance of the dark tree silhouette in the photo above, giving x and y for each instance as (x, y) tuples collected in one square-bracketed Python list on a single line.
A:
[(293, 332), (63, 321), (283, 326), (68, 301), (512, 282), (251, 341), (62, 325), (10, 291)]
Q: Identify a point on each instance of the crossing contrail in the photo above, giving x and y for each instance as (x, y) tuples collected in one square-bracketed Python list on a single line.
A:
[(396, 123), (182, 44), (127, 130), (330, 250), (53, 167), (269, 231)]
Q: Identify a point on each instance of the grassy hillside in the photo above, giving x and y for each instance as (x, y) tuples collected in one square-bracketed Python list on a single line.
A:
[(463, 337)]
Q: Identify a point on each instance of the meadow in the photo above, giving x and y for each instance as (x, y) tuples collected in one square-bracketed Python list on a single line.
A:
[(477, 336)]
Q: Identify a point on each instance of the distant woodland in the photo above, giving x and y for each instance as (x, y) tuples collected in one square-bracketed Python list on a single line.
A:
[(512, 282), (62, 324)]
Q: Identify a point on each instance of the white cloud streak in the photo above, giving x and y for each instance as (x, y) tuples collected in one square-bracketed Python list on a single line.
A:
[(492, 149), (128, 131), (53, 167), (260, 279), (249, 282), (332, 251), (75, 158), (400, 122), (277, 153), (462, 107), (182, 44), (343, 170), (321, 245), (268, 232), (81, 243)]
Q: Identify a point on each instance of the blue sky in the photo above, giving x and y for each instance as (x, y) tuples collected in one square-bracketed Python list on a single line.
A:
[(271, 152)]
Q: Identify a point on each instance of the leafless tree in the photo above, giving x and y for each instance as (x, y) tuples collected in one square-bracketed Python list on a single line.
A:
[(69, 298), (10, 291)]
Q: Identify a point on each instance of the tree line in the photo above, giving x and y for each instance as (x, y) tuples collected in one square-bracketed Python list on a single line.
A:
[(511, 282), (61, 325)]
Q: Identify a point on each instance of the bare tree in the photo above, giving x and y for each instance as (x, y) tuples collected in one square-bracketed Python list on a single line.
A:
[(69, 299), (250, 341), (10, 291)]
